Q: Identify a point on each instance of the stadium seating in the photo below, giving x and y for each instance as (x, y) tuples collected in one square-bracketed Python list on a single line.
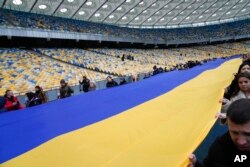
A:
[(37, 21), (98, 62), (21, 70)]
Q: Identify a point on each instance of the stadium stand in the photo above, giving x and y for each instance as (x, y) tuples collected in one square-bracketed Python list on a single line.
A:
[(38, 21), (57, 55), (22, 69)]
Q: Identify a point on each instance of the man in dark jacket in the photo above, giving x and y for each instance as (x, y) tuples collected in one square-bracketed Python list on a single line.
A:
[(110, 82), (85, 84), (233, 148), (65, 90), (123, 81), (156, 70)]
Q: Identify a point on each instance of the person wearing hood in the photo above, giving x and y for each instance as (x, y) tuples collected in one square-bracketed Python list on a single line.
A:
[(65, 90)]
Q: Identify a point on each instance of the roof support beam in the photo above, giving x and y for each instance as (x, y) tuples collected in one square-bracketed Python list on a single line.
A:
[(4, 2), (33, 6), (80, 6), (142, 11), (128, 11), (113, 10), (57, 8), (96, 10)]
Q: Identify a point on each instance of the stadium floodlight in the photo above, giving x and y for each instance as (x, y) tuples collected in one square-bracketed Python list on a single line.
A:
[(137, 18), (81, 13), (124, 18), (97, 15), (214, 15), (105, 6), (162, 19), (200, 17), (42, 7), (70, 1), (120, 8), (17, 2), (145, 11), (243, 10), (89, 3), (128, 1), (141, 3), (63, 10), (228, 13), (149, 19), (111, 16)]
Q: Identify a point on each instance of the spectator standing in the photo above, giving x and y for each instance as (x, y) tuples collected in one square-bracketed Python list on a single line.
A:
[(123, 81), (110, 82), (40, 94), (85, 83), (11, 102), (65, 90)]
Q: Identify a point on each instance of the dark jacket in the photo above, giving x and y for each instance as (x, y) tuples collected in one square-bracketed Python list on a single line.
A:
[(123, 82), (65, 91), (85, 85), (231, 88), (2, 103), (33, 100), (156, 71), (111, 84), (37, 98), (222, 153)]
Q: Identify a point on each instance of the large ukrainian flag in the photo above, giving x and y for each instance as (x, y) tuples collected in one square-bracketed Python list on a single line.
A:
[(156, 122)]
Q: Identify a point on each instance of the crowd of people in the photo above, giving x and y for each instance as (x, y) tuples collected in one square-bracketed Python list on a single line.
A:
[(45, 22), (9, 102), (236, 114), (22, 69)]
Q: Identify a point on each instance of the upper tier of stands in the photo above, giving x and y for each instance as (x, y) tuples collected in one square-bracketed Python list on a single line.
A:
[(29, 20), (22, 69)]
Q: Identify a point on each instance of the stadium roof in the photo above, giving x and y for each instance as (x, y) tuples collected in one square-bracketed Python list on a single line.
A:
[(139, 13)]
